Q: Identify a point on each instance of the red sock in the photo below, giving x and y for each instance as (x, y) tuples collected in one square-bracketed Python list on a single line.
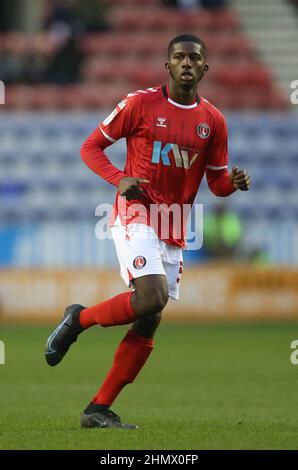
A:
[(129, 359), (115, 311)]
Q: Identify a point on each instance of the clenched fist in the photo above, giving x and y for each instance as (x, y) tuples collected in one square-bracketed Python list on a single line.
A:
[(240, 179)]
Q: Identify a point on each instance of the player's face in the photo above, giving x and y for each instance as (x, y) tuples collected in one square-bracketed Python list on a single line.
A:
[(187, 64)]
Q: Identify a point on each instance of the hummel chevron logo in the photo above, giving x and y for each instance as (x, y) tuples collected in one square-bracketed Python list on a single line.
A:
[(161, 122)]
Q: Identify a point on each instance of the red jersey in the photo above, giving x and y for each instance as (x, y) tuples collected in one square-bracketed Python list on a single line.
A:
[(169, 144)]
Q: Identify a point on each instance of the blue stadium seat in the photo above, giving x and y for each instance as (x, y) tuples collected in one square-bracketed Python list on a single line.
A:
[(41, 168)]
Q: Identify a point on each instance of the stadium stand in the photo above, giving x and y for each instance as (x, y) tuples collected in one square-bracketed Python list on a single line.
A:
[(130, 55), (42, 177), (273, 25)]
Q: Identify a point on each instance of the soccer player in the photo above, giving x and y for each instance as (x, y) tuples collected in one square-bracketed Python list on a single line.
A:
[(173, 138)]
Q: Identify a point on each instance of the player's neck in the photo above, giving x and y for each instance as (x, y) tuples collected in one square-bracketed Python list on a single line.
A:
[(185, 97)]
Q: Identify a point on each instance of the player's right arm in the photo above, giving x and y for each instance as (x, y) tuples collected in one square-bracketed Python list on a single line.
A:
[(92, 153), (122, 122)]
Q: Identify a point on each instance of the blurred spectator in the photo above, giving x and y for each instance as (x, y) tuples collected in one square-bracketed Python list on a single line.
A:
[(34, 67), (184, 4), (259, 257), (11, 67), (192, 4), (29, 65), (78, 15), (213, 3), (10, 15), (64, 67), (21, 68), (3, 17), (222, 233)]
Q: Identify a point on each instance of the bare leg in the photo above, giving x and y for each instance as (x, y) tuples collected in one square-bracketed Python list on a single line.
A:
[(146, 327)]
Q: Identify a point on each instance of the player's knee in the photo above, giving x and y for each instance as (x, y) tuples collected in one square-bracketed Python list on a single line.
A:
[(151, 295), (146, 326), (155, 319), (159, 302), (153, 304)]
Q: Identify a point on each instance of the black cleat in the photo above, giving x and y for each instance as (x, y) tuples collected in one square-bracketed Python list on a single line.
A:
[(64, 335), (100, 416)]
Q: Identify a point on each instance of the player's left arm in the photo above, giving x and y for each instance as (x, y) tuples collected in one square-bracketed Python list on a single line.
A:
[(220, 181), (240, 179)]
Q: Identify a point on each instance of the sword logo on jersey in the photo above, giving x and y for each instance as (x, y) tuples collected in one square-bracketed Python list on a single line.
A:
[(161, 122), (182, 158)]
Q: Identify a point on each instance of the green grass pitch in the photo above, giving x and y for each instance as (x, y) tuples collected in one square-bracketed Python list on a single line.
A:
[(204, 387)]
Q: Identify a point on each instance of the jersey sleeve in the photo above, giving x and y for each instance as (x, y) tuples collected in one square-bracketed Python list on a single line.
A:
[(218, 147), (124, 120)]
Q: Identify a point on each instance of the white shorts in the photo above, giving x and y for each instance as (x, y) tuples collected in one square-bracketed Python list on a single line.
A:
[(140, 253)]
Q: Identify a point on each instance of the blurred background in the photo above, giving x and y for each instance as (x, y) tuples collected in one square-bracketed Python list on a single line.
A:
[(65, 64)]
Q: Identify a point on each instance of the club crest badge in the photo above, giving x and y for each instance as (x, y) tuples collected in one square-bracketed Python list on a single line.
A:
[(203, 130), (139, 262)]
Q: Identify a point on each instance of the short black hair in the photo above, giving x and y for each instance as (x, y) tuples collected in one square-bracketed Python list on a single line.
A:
[(187, 38)]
